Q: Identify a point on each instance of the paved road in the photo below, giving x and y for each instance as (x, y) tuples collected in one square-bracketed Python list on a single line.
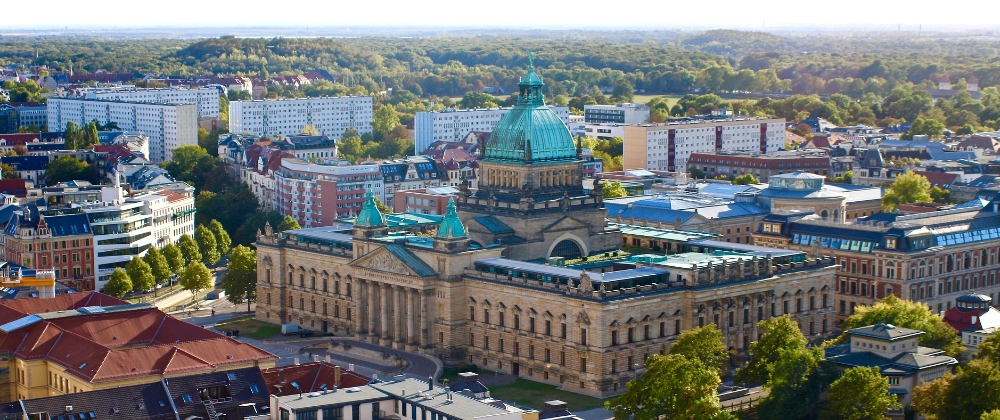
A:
[(418, 366)]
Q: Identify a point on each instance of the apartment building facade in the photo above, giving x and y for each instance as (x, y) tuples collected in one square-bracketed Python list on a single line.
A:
[(454, 124), (739, 163), (206, 98), (330, 116), (669, 146), (931, 257), (167, 126), (623, 113), (318, 195)]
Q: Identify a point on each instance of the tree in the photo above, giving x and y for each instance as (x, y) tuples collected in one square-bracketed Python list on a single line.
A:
[(67, 168), (158, 265), (141, 274), (207, 245), (189, 248), (672, 387), (906, 314), (310, 130), (196, 277), (119, 284), (613, 189), (848, 178), (384, 209), (696, 173), (861, 394), (940, 195), (908, 188), (174, 257), (779, 334), (928, 397), (931, 128), (8, 171), (288, 223), (384, 120), (240, 281), (221, 237), (980, 378), (745, 179), (704, 344), (795, 382), (989, 349)]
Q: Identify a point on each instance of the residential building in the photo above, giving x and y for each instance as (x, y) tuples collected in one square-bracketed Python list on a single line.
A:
[(401, 398), (458, 167), (737, 163), (669, 146), (928, 257), (604, 130), (974, 318), (476, 291), (414, 173), (895, 352), (454, 124), (432, 201), (82, 342), (624, 113), (31, 169), (206, 98), (167, 126), (9, 120), (62, 243), (592, 166), (32, 114), (235, 394), (318, 195), (330, 116), (309, 377), (309, 148)]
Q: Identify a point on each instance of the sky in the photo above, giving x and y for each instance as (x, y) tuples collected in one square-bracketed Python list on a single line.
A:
[(636, 14)]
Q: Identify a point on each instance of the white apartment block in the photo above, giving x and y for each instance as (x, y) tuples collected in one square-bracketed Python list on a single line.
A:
[(667, 146), (167, 126), (624, 113), (331, 116), (173, 215), (206, 97), (604, 131), (454, 124)]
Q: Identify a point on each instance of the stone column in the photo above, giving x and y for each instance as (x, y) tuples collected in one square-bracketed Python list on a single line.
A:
[(370, 306), (398, 334), (384, 291), (425, 315), (413, 336)]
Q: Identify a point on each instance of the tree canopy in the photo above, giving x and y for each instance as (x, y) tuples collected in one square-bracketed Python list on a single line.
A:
[(158, 265), (910, 187), (141, 274), (673, 386), (240, 281), (119, 284), (196, 277), (207, 245), (907, 314), (175, 258), (862, 393), (779, 333), (613, 189), (288, 223), (68, 168), (189, 248), (704, 344)]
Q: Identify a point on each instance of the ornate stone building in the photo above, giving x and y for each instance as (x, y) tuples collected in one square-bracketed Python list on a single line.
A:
[(530, 198), (457, 296)]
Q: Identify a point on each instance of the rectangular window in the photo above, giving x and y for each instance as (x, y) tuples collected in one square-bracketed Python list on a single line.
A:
[(583, 364), (583, 336)]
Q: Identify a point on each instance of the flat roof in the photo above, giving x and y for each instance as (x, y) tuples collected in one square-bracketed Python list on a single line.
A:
[(668, 234), (759, 251)]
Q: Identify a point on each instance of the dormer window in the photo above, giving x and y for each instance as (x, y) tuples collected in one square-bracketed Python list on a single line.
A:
[(890, 243)]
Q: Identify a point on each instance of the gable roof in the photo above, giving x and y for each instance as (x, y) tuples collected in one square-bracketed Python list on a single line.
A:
[(311, 377), (412, 261)]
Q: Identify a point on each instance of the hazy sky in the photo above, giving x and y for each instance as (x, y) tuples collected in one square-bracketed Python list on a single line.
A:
[(743, 14)]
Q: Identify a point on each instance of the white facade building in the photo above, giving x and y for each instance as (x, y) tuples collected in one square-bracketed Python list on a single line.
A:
[(167, 126), (455, 124), (206, 97), (624, 113), (604, 131), (330, 116), (667, 146)]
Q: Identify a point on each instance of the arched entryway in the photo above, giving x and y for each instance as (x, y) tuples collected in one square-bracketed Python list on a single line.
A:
[(566, 248)]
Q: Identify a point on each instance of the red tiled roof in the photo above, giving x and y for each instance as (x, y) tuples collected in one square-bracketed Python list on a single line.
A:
[(939, 179), (117, 344), (15, 187), (980, 142), (310, 377), (21, 138)]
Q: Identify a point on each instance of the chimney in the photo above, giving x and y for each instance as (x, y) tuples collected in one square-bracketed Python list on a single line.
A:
[(430, 383), (336, 374), (296, 361), (328, 359)]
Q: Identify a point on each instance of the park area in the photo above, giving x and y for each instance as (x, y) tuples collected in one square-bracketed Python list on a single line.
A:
[(250, 328)]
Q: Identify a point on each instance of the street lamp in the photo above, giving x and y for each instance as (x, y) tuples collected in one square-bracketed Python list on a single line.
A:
[(635, 371)]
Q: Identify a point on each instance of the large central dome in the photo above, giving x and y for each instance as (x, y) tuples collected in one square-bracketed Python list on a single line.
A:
[(530, 132)]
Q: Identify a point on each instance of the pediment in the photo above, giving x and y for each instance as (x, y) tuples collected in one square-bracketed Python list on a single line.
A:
[(565, 223), (384, 261)]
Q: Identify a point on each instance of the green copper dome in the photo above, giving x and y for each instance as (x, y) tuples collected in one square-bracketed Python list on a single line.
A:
[(369, 215), (530, 132), (451, 225)]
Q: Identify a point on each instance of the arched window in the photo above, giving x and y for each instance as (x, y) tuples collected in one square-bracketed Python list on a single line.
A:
[(967, 263)]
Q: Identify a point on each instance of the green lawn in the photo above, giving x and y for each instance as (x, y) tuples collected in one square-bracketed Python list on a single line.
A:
[(641, 99), (250, 327), (535, 394)]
